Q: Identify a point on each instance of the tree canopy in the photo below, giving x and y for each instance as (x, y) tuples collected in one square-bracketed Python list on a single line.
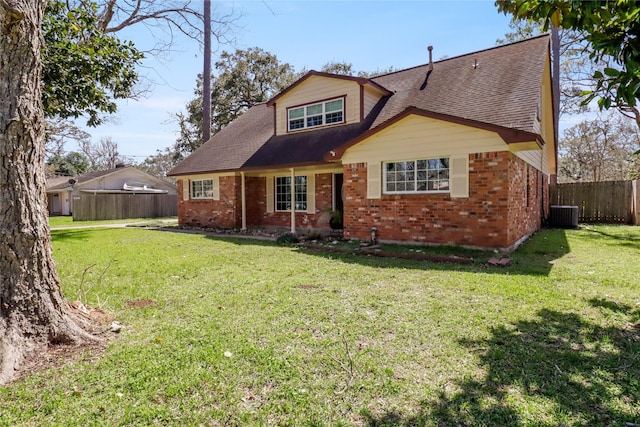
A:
[(244, 78), (599, 149), (611, 28), (84, 69)]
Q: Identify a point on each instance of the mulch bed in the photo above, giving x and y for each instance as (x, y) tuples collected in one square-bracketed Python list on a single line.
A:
[(375, 251)]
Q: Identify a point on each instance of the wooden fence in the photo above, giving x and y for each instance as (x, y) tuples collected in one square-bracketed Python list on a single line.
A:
[(90, 206), (604, 202)]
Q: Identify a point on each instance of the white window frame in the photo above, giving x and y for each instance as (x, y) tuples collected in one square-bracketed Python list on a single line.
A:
[(428, 170), (323, 115), (300, 190), (202, 192)]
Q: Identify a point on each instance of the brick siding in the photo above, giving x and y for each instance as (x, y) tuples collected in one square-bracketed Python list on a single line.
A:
[(223, 213), (495, 215), (505, 205)]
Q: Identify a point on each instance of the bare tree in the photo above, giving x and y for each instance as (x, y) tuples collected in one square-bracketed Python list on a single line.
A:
[(33, 312), (103, 155), (163, 19), (600, 149), (60, 131)]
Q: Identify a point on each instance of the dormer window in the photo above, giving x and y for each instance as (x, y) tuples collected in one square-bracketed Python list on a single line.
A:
[(316, 114)]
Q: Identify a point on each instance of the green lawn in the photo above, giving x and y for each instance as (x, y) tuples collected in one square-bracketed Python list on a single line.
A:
[(245, 332), (67, 221)]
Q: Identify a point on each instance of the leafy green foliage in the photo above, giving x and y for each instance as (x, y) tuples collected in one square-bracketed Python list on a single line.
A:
[(610, 27), (244, 78), (71, 164), (84, 69)]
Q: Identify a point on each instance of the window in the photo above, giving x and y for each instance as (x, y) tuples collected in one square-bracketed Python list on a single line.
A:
[(319, 114), (202, 189), (417, 176), (283, 193)]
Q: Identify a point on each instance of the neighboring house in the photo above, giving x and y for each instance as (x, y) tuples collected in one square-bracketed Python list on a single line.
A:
[(458, 151), (103, 195)]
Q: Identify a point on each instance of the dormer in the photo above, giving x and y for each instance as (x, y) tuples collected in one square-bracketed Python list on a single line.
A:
[(319, 100)]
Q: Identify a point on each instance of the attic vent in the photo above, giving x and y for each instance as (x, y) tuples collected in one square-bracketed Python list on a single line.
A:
[(563, 216)]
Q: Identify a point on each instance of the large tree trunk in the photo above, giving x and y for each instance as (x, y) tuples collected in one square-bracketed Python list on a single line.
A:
[(33, 312)]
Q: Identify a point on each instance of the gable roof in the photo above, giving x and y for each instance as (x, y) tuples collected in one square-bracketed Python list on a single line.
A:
[(496, 89), (499, 86), (64, 183), (362, 81), (67, 183)]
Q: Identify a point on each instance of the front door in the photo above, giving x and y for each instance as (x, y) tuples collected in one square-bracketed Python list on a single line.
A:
[(338, 194), (55, 203)]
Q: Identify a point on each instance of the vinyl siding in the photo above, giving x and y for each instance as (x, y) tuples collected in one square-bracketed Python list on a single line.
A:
[(318, 88), (371, 98), (421, 137)]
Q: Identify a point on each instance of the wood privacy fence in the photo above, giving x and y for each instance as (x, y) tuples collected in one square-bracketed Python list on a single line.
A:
[(604, 202), (94, 206)]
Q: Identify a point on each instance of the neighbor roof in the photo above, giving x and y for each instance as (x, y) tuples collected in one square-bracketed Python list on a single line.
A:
[(63, 183), (497, 89)]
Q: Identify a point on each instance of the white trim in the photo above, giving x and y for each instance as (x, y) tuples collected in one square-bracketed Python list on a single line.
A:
[(243, 201), (384, 177), (204, 197), (323, 114)]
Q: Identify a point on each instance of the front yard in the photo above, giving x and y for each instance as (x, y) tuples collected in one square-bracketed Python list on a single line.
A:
[(224, 331)]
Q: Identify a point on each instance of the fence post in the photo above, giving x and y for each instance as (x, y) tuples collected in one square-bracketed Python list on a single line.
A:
[(635, 202)]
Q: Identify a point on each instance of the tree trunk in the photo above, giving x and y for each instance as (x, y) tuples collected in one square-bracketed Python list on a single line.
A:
[(33, 312), (206, 75)]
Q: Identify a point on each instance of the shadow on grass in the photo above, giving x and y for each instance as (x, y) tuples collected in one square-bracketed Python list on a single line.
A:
[(71, 234), (535, 257), (627, 239), (559, 369)]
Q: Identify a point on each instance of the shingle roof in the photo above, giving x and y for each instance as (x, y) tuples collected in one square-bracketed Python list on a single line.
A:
[(500, 86), (230, 148), (497, 87), (62, 183)]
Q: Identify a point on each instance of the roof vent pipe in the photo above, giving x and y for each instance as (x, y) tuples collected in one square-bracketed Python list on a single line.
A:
[(429, 68)]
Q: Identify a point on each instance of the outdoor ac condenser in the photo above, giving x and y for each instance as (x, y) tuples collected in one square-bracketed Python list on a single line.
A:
[(563, 216)]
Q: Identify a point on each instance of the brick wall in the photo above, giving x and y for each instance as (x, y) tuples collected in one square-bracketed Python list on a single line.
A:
[(223, 213), (495, 214), (227, 212), (304, 221)]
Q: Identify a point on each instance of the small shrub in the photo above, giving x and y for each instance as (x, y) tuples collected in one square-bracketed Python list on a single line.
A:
[(288, 239)]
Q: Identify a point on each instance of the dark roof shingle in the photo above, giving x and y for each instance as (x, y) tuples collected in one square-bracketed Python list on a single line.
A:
[(499, 86)]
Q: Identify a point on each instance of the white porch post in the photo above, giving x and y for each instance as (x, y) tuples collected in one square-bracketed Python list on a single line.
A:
[(293, 201), (244, 202)]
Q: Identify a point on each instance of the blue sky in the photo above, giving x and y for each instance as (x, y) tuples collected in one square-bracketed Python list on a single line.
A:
[(372, 35)]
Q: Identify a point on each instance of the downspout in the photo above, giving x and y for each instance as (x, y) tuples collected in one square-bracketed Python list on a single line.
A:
[(293, 201), (243, 201)]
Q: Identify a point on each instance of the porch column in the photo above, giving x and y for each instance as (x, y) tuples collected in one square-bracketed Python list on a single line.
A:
[(244, 201), (293, 201)]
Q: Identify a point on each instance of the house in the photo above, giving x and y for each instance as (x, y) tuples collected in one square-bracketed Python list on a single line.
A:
[(122, 192), (456, 152)]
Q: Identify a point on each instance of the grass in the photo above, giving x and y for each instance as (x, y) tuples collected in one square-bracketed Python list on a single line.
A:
[(246, 332), (67, 221)]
